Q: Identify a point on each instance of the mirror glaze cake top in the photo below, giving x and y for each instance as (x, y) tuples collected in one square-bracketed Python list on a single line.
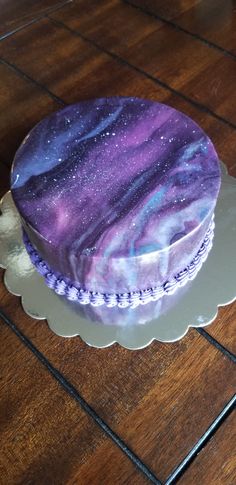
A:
[(116, 194)]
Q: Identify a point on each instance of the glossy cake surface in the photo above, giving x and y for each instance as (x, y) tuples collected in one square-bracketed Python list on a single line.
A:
[(116, 194)]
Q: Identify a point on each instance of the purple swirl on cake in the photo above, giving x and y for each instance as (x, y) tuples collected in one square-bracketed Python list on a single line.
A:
[(116, 194)]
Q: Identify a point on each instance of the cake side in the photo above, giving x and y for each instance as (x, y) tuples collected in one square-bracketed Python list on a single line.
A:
[(121, 275), (65, 287)]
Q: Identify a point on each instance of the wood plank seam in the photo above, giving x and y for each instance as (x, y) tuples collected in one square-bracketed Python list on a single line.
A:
[(178, 27), (155, 79), (182, 467), (35, 19), (21, 27), (217, 344), (28, 78), (72, 391), (201, 107)]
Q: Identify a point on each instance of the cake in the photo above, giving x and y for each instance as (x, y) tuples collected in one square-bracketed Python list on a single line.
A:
[(117, 198)]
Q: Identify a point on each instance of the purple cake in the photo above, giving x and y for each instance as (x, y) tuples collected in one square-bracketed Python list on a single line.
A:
[(117, 198)]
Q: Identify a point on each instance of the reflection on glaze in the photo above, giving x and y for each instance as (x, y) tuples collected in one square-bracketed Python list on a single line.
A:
[(106, 181)]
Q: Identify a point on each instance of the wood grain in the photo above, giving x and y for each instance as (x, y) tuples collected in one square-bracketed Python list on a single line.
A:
[(86, 66), (204, 75), (214, 21), (219, 454), (45, 436), (22, 105), (149, 397), (116, 23), (224, 330), (16, 14), (87, 76), (166, 8)]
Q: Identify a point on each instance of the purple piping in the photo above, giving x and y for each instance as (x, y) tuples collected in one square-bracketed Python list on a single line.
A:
[(63, 287)]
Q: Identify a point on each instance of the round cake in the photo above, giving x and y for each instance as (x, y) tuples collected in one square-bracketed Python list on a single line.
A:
[(117, 198)]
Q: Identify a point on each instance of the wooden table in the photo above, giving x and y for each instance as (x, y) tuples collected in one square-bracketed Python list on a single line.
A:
[(71, 414)]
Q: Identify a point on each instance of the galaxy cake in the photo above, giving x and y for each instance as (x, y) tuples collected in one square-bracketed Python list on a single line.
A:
[(117, 199)]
